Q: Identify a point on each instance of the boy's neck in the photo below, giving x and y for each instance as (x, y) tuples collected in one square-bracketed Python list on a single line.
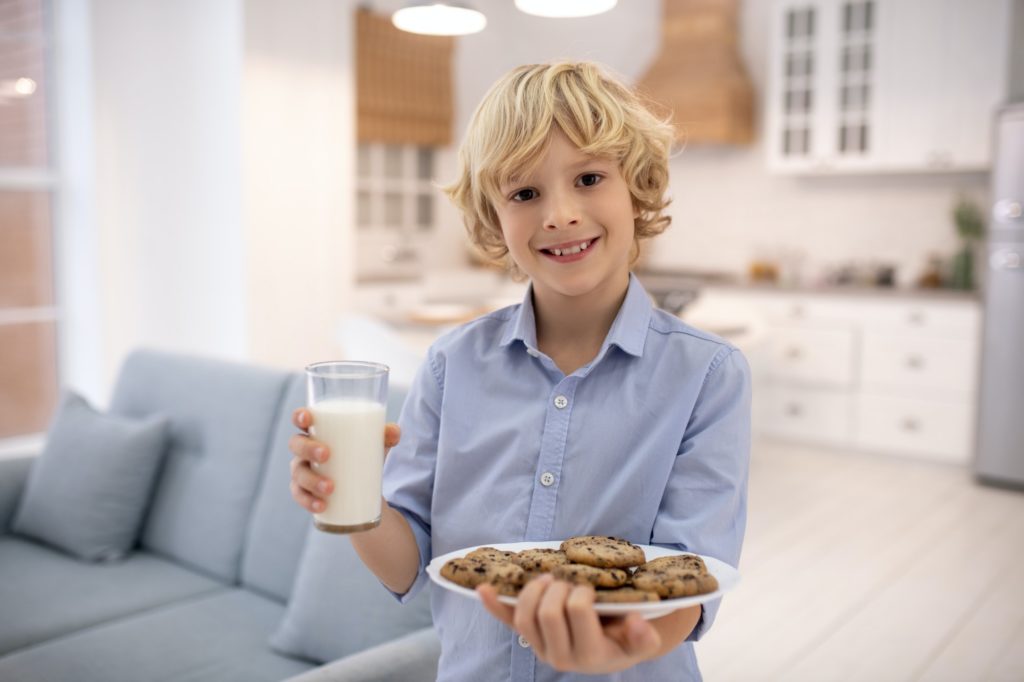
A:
[(571, 329)]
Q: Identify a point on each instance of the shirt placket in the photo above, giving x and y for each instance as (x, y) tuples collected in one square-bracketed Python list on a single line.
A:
[(546, 482)]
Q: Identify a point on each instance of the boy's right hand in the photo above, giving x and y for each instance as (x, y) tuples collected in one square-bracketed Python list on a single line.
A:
[(309, 488)]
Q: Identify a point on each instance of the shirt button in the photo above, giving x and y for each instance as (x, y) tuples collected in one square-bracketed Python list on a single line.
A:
[(523, 643), (547, 478), (561, 401)]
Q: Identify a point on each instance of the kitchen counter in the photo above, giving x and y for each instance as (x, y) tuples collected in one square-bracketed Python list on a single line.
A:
[(674, 289), (856, 291)]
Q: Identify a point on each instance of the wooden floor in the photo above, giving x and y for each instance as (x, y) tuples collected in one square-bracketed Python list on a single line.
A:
[(863, 567)]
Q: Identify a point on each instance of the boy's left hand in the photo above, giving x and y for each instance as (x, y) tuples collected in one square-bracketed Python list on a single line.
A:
[(559, 621)]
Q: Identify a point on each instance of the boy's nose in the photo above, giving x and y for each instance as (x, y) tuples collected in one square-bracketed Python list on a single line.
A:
[(562, 213)]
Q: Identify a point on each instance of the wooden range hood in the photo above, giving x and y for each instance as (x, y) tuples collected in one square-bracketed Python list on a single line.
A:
[(699, 75)]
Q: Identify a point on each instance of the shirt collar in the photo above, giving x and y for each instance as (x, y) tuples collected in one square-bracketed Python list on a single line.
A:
[(628, 331)]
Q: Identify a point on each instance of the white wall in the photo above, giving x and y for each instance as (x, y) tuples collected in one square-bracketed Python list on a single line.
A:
[(206, 152), (298, 156), (167, 80), (81, 354)]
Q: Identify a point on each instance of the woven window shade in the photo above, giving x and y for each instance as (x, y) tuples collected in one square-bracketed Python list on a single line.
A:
[(403, 84)]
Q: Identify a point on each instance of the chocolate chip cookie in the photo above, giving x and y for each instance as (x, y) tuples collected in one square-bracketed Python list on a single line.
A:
[(491, 554), (690, 562), (671, 582), (603, 551), (582, 574), (624, 595), (540, 560), (472, 571)]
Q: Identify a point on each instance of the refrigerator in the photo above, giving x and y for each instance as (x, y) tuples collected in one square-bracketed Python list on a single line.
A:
[(1000, 446)]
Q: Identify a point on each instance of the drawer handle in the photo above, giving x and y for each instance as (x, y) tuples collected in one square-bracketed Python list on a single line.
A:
[(797, 311), (916, 317), (794, 353), (910, 425), (794, 410), (915, 362)]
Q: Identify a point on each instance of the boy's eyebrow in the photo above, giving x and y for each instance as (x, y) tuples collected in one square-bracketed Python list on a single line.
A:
[(588, 160)]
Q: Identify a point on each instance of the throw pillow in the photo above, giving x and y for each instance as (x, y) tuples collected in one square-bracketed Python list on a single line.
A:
[(338, 607), (88, 491)]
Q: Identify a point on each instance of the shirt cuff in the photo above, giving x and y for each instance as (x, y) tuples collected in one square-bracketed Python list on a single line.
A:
[(422, 537), (708, 612)]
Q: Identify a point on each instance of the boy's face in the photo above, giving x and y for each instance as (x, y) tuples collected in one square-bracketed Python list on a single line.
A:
[(569, 223)]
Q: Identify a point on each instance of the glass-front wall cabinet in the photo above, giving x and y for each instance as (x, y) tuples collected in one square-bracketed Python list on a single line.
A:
[(885, 85)]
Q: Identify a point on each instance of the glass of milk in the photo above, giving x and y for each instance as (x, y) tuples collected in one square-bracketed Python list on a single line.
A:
[(348, 402)]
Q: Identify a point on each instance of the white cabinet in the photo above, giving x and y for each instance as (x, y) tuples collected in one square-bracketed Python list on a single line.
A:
[(885, 85), (805, 414), (884, 372), (810, 356)]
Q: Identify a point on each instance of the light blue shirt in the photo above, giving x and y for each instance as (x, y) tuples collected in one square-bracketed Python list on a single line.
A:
[(649, 442)]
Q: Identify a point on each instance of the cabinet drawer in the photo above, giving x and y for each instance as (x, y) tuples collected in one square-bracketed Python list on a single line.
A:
[(810, 356), (952, 319), (918, 363), (933, 429), (814, 310), (805, 414)]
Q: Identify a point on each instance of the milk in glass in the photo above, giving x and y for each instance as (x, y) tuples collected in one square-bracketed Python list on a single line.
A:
[(353, 430)]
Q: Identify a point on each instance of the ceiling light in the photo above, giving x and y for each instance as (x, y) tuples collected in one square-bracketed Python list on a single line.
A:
[(17, 87), (439, 19), (565, 8)]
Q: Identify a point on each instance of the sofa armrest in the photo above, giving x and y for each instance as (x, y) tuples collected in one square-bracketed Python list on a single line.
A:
[(412, 658), (13, 474)]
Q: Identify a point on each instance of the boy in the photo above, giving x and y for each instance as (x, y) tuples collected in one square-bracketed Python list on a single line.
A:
[(581, 411)]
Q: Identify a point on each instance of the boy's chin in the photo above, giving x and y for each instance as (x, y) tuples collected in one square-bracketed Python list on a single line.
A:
[(584, 285)]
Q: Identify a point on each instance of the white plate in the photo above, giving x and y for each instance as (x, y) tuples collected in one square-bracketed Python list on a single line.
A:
[(727, 576)]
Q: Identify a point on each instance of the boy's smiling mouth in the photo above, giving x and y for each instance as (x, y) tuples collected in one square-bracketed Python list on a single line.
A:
[(569, 251)]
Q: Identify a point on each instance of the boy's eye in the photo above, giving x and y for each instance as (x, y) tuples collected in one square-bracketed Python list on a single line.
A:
[(524, 194), (589, 179)]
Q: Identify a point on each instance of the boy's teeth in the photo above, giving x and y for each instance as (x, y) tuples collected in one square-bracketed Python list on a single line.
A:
[(572, 250)]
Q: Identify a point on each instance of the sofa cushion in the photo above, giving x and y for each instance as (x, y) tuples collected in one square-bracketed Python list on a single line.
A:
[(220, 638), (90, 487), (45, 594), (411, 658), (13, 477), (339, 607), (277, 531), (221, 418)]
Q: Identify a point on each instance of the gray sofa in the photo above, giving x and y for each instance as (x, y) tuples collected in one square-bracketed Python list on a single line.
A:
[(215, 564)]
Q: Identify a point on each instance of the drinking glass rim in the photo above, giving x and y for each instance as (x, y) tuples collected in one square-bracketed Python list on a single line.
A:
[(371, 369)]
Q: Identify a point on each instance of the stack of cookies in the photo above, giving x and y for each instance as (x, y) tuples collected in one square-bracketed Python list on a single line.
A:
[(616, 568)]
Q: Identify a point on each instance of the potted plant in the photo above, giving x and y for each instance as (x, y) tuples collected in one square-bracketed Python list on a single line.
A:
[(970, 225)]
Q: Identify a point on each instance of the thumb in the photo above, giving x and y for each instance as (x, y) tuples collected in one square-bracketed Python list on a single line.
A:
[(642, 640)]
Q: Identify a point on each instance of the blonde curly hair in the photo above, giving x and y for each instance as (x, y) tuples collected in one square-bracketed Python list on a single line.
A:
[(509, 133)]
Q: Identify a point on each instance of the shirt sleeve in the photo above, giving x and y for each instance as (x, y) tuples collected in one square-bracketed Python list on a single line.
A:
[(409, 469), (704, 508)]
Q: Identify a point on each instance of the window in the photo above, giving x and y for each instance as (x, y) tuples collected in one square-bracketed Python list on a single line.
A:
[(403, 117), (28, 312), (395, 201)]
